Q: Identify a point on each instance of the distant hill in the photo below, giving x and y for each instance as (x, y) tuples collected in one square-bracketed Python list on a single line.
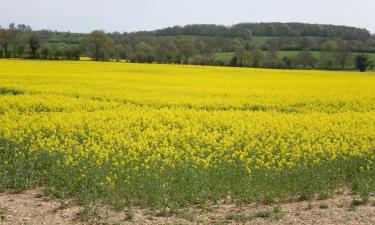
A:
[(259, 32), (267, 29)]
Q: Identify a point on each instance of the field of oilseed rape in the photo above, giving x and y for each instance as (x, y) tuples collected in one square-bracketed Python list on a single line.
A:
[(165, 135)]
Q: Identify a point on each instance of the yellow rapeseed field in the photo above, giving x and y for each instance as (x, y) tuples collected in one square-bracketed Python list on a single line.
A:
[(157, 132)]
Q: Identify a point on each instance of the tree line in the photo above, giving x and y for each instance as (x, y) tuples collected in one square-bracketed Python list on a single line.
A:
[(158, 47), (334, 55), (268, 29), (20, 41)]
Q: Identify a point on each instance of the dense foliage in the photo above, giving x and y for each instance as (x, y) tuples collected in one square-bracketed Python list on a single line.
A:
[(246, 30), (252, 45), (362, 62)]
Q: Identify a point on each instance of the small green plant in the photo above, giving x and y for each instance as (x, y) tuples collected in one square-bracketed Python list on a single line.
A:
[(323, 195), (3, 211), (278, 213), (323, 206), (161, 213), (63, 205), (119, 204), (305, 197), (184, 214), (129, 215), (263, 214), (269, 200), (358, 202), (89, 213), (238, 217)]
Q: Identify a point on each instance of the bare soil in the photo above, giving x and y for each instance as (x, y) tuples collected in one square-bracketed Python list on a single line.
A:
[(32, 208)]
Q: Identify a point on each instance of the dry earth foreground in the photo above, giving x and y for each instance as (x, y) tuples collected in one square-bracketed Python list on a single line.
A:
[(184, 144), (33, 208)]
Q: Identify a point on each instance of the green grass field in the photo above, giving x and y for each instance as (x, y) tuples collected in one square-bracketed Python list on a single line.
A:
[(63, 39), (260, 39)]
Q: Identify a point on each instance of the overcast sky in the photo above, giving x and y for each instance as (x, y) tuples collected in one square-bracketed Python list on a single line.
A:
[(134, 15)]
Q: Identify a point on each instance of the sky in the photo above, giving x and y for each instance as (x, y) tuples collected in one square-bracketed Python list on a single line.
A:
[(136, 15)]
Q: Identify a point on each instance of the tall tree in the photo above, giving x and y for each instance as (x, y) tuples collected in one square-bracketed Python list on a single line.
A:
[(327, 54), (257, 57), (44, 53), (144, 53), (15, 38), (95, 44), (288, 62), (34, 44), (166, 51), (343, 54), (5, 41), (203, 47), (116, 51), (272, 59), (362, 61), (186, 48), (305, 58), (242, 55)]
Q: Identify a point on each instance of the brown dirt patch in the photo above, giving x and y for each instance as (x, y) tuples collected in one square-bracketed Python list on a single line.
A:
[(32, 208)]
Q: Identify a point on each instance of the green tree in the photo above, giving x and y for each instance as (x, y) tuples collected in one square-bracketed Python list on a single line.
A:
[(327, 54), (257, 57), (144, 53), (343, 54), (95, 44), (167, 51), (115, 51), (58, 54), (234, 61), (16, 36), (288, 62), (5, 41), (45, 53), (186, 47), (362, 61), (272, 60), (306, 59), (243, 56), (203, 47), (34, 44)]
